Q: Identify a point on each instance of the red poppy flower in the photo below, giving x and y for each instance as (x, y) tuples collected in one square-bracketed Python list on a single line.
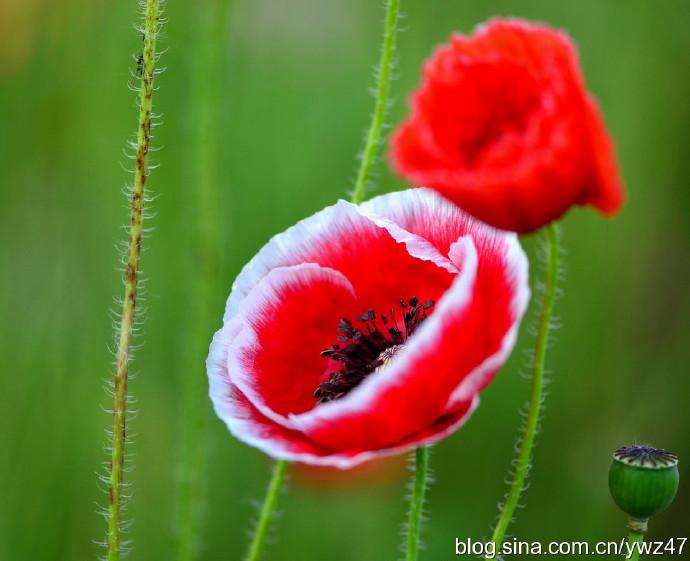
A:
[(504, 127), (363, 331)]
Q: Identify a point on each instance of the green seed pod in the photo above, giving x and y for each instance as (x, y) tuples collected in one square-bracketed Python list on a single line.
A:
[(643, 480)]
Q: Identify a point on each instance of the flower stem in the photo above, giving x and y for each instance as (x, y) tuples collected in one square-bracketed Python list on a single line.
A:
[(414, 520), (384, 72), (536, 396), (146, 67), (267, 511), (635, 540), (203, 283)]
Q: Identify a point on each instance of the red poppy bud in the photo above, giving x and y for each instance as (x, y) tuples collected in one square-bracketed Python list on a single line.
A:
[(503, 126)]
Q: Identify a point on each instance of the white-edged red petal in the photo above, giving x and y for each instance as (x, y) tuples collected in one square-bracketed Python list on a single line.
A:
[(284, 307)]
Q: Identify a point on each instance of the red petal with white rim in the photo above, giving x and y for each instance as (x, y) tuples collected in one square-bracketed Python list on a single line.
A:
[(265, 365)]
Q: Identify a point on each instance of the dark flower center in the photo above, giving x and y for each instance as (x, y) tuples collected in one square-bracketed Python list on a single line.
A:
[(370, 346)]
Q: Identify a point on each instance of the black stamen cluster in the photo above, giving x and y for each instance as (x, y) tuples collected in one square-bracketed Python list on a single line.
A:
[(360, 349)]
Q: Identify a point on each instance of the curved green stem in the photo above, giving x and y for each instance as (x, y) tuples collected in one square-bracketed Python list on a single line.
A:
[(384, 72), (267, 510), (414, 521), (146, 67), (536, 395)]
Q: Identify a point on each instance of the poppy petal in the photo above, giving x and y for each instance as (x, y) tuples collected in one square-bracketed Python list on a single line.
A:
[(265, 363), (503, 126)]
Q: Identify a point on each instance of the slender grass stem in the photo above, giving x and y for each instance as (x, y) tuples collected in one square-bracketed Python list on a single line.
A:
[(267, 510), (385, 69), (414, 520), (203, 283), (537, 389), (146, 67), (635, 540)]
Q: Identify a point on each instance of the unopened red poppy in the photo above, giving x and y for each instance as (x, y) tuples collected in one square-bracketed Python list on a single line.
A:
[(503, 126), (363, 331)]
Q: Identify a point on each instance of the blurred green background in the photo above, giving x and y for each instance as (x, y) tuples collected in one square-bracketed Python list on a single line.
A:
[(293, 107)]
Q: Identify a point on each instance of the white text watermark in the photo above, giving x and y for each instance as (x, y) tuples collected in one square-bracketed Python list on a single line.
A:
[(489, 550)]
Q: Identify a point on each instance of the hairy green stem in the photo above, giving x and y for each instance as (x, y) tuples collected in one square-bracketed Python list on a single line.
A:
[(385, 69), (267, 510), (145, 69), (414, 521), (537, 389), (203, 283)]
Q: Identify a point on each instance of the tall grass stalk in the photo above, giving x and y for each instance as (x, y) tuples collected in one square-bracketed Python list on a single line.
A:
[(145, 73), (207, 65)]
